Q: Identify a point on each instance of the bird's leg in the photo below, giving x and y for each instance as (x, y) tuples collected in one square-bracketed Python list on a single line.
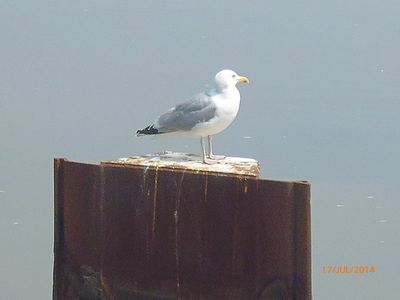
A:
[(210, 153), (206, 160)]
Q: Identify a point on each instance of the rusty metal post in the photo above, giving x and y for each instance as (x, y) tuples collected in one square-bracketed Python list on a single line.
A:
[(145, 232)]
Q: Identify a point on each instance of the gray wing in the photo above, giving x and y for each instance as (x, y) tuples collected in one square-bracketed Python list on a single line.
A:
[(183, 117)]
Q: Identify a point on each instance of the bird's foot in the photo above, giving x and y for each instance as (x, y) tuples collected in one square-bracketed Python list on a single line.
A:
[(209, 161), (217, 157)]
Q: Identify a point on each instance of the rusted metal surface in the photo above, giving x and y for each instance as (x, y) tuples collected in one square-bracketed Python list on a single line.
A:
[(153, 233)]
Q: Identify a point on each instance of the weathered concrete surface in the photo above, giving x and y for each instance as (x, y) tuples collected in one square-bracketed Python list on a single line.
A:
[(191, 162), (135, 232)]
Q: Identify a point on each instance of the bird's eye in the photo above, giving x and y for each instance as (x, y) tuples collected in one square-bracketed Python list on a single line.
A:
[(233, 75)]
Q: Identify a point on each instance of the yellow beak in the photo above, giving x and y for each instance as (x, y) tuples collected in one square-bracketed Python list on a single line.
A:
[(243, 79)]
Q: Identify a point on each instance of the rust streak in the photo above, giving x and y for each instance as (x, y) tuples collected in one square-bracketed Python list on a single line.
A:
[(146, 191), (205, 187), (245, 186), (155, 203), (102, 231), (176, 215)]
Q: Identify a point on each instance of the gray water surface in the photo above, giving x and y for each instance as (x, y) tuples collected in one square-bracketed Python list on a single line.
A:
[(78, 77)]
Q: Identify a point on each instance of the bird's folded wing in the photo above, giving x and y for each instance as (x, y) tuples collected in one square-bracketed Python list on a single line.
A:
[(183, 117)]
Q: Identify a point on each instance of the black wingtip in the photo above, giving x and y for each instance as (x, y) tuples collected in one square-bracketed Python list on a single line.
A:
[(149, 130)]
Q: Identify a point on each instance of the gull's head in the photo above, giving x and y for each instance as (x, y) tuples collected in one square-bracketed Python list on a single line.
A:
[(227, 78)]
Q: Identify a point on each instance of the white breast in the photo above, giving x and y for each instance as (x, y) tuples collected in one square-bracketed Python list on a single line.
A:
[(227, 104)]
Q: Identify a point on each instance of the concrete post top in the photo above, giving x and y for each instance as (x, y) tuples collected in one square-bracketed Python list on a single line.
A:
[(191, 162)]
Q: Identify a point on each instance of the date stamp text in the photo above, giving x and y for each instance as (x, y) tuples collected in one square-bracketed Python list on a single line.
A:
[(348, 269)]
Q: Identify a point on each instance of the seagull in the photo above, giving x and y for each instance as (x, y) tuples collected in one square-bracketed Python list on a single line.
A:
[(202, 115)]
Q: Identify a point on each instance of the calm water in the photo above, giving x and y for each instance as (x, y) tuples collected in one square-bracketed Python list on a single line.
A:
[(77, 77)]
